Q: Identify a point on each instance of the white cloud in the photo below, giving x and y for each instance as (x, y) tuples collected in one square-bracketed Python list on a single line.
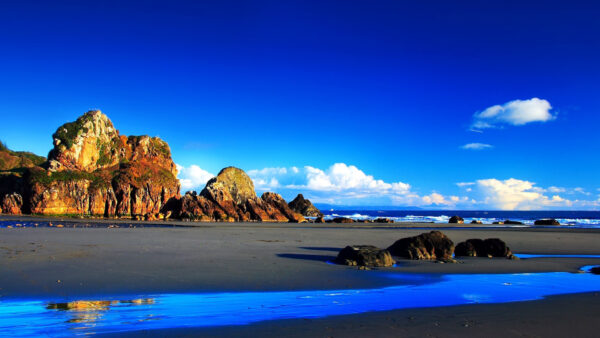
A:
[(514, 194), (581, 191), (342, 183), (465, 184), (477, 146), (516, 113), (556, 190), (193, 177)]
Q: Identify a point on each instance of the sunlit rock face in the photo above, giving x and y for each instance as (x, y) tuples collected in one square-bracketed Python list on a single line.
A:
[(93, 170), (364, 255), (230, 196), (304, 207)]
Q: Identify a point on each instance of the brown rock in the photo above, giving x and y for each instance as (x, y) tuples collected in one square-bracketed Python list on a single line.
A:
[(304, 207), (491, 247), (342, 220), (383, 220), (276, 201), (364, 255), (11, 204), (546, 221), (432, 245)]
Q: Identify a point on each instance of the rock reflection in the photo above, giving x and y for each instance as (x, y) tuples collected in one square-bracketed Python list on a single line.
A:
[(90, 311)]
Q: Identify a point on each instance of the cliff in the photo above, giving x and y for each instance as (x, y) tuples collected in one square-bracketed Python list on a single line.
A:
[(93, 170)]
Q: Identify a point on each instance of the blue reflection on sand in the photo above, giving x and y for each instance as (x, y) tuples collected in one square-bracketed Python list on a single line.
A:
[(26, 318)]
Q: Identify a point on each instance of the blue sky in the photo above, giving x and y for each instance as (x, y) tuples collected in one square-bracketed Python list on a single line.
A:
[(372, 103)]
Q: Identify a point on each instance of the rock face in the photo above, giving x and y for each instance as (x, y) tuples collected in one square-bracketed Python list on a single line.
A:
[(92, 170), (546, 221), (491, 247), (456, 220), (364, 255), (432, 245), (304, 207), (10, 160), (11, 204), (230, 196)]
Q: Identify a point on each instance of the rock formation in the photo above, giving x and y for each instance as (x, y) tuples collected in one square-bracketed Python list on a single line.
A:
[(304, 207), (432, 245), (10, 160), (93, 170), (364, 255), (456, 220), (230, 196), (508, 221), (546, 221), (491, 247)]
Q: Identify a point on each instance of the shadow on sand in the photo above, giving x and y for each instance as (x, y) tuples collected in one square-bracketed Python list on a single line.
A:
[(321, 258), (320, 248)]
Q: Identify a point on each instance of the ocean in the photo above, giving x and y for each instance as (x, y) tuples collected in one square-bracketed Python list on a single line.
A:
[(567, 218)]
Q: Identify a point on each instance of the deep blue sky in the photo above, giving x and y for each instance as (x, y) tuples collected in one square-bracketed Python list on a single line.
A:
[(388, 86)]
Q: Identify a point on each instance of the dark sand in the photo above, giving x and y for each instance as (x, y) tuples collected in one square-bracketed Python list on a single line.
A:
[(83, 263)]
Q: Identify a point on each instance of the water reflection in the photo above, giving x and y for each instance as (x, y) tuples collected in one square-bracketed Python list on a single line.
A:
[(32, 318)]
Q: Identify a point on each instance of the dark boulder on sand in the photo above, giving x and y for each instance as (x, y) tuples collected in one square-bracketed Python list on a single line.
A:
[(546, 221), (491, 247), (476, 222), (341, 220), (383, 220), (432, 245), (320, 220), (595, 270), (456, 220), (513, 222), (364, 255)]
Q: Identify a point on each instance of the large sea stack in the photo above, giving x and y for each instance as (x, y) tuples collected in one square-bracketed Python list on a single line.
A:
[(93, 170)]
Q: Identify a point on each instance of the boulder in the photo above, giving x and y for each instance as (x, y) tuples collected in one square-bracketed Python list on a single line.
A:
[(546, 221), (476, 222), (364, 255), (304, 207), (433, 245), (383, 220), (513, 222), (320, 220), (342, 220), (491, 247), (595, 270), (456, 220)]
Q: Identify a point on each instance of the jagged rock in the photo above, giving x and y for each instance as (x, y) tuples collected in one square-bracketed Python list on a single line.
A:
[(546, 221), (432, 245), (491, 247), (93, 170), (279, 203), (383, 220), (304, 207), (476, 222), (364, 255), (513, 222), (320, 220), (11, 204), (456, 220)]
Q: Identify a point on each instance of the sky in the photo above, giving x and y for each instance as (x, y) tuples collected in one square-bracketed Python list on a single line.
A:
[(433, 104)]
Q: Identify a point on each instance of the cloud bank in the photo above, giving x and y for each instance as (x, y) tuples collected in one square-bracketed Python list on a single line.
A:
[(515, 113), (193, 177)]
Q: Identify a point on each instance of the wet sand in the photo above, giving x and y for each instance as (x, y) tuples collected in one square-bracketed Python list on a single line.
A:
[(87, 263)]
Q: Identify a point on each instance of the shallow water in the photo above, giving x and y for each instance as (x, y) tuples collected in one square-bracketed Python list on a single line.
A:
[(106, 315)]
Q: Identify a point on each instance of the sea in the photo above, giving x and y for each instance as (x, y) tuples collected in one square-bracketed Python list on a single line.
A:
[(587, 219)]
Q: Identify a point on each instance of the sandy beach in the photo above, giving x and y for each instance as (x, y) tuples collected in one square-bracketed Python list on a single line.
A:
[(68, 263)]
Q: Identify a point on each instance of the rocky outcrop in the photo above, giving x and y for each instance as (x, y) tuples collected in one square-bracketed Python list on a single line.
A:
[(11, 204), (513, 222), (10, 160), (364, 255), (383, 220), (93, 170), (476, 222), (456, 220), (230, 196), (546, 221), (433, 245), (304, 207), (491, 247), (341, 220)]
